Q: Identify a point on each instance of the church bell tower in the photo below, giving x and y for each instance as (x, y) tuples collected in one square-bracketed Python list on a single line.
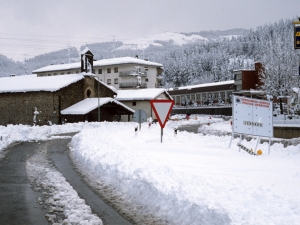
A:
[(87, 59)]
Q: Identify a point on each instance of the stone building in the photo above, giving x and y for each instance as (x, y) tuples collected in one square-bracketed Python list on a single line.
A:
[(21, 96), (41, 100)]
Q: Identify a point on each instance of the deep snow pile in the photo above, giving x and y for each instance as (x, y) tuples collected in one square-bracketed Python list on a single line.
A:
[(20, 133), (193, 178)]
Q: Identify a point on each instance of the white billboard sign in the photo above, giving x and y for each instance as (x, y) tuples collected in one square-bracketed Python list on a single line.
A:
[(252, 116)]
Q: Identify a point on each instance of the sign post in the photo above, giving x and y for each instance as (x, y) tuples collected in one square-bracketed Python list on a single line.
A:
[(252, 117), (140, 116), (162, 110)]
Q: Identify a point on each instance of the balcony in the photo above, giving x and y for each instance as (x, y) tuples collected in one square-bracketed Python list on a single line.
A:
[(132, 73), (132, 85)]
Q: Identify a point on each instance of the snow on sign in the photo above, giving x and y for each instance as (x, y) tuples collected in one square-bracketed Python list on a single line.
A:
[(162, 110), (252, 116)]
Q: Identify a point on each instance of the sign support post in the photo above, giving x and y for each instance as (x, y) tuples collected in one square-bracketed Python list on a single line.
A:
[(162, 110)]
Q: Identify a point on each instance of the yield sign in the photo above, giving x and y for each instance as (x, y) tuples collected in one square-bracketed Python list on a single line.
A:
[(162, 110)]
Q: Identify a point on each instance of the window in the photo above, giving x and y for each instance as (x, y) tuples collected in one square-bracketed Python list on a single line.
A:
[(238, 87), (68, 72), (62, 73), (93, 71), (108, 81), (88, 93), (116, 70), (116, 81), (99, 71), (55, 73), (133, 103), (146, 80), (108, 70), (77, 71), (238, 76)]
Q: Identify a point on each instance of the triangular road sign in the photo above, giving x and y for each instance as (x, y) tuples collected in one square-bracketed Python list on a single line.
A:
[(162, 110)]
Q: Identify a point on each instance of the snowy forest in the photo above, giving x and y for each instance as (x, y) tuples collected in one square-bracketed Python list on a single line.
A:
[(201, 61)]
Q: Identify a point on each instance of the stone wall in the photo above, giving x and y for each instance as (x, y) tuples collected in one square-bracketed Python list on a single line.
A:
[(287, 132), (19, 107)]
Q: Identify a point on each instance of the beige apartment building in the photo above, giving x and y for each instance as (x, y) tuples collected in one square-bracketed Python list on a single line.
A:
[(121, 73)]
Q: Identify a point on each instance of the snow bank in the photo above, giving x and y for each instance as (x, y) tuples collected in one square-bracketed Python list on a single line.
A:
[(192, 178), (19, 133)]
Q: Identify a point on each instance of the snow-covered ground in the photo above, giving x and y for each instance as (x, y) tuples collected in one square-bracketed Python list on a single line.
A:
[(189, 178)]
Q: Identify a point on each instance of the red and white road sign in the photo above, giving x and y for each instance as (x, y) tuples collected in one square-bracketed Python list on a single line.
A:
[(162, 110)]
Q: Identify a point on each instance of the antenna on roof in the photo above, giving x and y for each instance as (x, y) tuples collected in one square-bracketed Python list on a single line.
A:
[(114, 46), (25, 64), (69, 52)]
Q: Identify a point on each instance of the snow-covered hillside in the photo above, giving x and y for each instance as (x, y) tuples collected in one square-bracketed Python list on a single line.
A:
[(172, 37)]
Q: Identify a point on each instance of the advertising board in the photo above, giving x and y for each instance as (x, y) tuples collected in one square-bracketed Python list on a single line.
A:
[(252, 116), (297, 37)]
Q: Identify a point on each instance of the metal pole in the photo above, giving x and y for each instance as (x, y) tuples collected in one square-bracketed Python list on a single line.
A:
[(98, 101), (232, 135), (161, 134), (269, 145), (257, 143), (140, 119), (186, 101), (240, 142)]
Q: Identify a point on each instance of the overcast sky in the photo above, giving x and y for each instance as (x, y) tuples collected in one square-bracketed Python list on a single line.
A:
[(37, 26)]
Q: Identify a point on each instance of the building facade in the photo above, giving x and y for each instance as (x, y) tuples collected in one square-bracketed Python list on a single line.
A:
[(22, 96), (245, 80), (139, 100), (121, 73), (203, 94)]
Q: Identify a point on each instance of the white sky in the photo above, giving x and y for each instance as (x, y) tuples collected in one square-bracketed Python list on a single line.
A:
[(33, 27)]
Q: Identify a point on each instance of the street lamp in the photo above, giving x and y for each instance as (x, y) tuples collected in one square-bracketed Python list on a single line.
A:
[(98, 90)]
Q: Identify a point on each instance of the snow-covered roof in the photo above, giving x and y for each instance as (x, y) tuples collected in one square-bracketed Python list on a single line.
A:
[(253, 92), (28, 83), (58, 67), (89, 104), (125, 60), (108, 86), (103, 62), (85, 50), (141, 94), (243, 70), (295, 89), (203, 85)]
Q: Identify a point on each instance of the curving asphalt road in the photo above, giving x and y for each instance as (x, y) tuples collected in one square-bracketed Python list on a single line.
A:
[(58, 151), (18, 201)]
